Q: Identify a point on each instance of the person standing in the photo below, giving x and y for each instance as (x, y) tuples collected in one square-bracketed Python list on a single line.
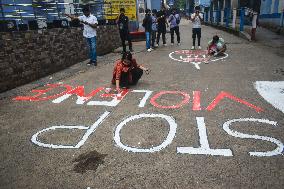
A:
[(154, 28), (162, 26), (147, 24), (196, 19), (174, 20), (254, 25), (90, 24), (122, 22)]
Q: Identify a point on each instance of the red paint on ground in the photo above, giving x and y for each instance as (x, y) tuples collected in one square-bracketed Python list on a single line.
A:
[(223, 94), (185, 100)]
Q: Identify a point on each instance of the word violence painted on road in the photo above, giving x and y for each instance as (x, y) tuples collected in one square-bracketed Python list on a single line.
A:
[(195, 57), (82, 98), (58, 93)]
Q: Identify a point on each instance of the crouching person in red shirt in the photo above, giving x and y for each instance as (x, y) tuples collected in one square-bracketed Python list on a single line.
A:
[(127, 72)]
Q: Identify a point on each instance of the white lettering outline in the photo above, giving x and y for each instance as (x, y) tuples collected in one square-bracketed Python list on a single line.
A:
[(166, 142), (147, 95), (277, 151), (90, 130), (204, 148)]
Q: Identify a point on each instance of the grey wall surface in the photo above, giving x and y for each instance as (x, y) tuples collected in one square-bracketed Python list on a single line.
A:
[(27, 56)]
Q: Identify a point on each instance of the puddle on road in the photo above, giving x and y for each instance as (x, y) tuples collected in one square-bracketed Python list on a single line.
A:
[(88, 161)]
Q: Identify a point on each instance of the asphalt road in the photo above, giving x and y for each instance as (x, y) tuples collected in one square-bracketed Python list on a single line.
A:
[(231, 124)]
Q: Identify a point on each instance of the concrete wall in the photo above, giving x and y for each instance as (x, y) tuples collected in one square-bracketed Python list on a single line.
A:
[(27, 56)]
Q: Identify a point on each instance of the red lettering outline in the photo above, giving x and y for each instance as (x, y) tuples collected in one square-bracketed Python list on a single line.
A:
[(196, 101), (44, 91), (223, 94), (155, 97)]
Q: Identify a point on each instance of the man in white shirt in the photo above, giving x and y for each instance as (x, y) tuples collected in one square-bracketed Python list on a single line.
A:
[(196, 19), (90, 24)]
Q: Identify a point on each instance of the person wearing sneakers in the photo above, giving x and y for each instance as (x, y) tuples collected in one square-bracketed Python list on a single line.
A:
[(196, 19), (147, 24), (174, 20), (90, 24), (154, 28)]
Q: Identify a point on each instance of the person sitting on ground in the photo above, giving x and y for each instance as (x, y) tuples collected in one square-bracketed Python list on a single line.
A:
[(216, 46), (127, 72)]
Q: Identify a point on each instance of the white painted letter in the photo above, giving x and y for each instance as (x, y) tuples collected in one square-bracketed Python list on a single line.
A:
[(277, 151), (89, 131), (116, 99), (168, 141), (204, 148), (145, 98)]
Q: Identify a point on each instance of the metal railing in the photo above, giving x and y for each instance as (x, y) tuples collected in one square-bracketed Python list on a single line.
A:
[(235, 19)]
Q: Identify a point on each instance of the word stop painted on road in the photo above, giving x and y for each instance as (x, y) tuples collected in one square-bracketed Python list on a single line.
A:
[(99, 94), (204, 148)]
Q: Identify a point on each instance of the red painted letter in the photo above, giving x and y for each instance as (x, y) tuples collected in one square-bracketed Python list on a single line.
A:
[(223, 94), (184, 95), (44, 91), (196, 101)]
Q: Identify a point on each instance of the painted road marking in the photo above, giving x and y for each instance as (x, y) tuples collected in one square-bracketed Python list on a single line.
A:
[(277, 151), (272, 92), (195, 57), (90, 130), (204, 148), (86, 98), (164, 144), (269, 90)]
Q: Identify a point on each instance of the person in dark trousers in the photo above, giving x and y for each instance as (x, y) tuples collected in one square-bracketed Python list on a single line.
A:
[(90, 24), (122, 22), (147, 24), (127, 72), (174, 20), (162, 26), (196, 19), (154, 28)]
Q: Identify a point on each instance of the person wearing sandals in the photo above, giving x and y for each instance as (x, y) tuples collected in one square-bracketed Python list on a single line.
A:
[(127, 72)]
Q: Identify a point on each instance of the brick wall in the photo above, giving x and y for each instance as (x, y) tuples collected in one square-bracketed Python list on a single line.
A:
[(27, 56)]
